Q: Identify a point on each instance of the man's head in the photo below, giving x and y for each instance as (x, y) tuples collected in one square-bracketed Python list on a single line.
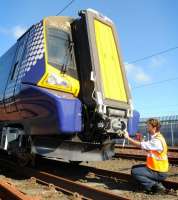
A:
[(153, 125)]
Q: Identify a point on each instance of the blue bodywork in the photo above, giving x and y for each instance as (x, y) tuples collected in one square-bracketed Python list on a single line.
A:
[(133, 123), (48, 113), (69, 114), (35, 73)]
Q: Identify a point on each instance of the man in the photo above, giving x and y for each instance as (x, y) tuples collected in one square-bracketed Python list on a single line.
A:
[(156, 168)]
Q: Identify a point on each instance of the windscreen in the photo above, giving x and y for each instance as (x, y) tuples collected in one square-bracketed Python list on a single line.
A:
[(59, 50)]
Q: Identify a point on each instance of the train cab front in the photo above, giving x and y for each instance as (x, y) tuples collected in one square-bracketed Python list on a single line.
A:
[(85, 82), (104, 88), (83, 62)]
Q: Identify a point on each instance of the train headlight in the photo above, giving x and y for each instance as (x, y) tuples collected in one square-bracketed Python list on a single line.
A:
[(53, 79)]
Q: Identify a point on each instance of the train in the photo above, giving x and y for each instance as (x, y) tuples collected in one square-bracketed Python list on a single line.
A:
[(64, 94), (133, 123)]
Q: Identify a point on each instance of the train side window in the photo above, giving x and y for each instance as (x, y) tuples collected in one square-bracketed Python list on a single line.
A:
[(14, 70), (20, 51), (19, 54)]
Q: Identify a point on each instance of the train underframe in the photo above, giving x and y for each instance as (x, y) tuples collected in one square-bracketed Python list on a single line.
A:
[(76, 147), (40, 134)]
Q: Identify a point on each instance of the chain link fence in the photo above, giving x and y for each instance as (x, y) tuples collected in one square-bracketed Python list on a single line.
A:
[(169, 128)]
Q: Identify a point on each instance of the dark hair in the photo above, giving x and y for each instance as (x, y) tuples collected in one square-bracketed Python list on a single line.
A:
[(154, 123)]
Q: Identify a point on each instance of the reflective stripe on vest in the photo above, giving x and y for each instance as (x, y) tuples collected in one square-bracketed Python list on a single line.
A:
[(158, 161)]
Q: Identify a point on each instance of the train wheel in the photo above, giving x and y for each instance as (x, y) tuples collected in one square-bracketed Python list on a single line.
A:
[(23, 159), (23, 155)]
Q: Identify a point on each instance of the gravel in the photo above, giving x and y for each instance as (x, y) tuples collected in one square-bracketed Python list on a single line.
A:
[(128, 190), (33, 189)]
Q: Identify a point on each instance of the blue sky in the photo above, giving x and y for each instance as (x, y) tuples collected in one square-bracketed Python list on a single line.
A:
[(145, 27)]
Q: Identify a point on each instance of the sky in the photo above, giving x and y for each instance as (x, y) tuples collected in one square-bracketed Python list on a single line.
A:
[(148, 36)]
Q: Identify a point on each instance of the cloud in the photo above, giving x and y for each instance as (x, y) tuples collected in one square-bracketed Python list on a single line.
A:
[(157, 61), (137, 74), (15, 31), (129, 68), (142, 77)]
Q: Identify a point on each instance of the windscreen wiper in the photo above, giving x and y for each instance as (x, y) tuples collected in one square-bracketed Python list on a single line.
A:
[(67, 56)]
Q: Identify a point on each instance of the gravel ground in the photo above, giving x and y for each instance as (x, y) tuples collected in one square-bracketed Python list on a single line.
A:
[(33, 189), (124, 165)]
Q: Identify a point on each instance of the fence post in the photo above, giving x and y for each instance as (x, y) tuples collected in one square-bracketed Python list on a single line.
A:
[(172, 135)]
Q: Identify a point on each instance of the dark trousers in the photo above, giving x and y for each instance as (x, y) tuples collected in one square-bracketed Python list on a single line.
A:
[(147, 177)]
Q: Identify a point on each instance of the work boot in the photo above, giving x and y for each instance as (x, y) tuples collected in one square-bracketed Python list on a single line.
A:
[(148, 191), (158, 188)]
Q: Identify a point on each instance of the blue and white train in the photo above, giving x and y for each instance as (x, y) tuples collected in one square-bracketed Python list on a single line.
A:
[(63, 92)]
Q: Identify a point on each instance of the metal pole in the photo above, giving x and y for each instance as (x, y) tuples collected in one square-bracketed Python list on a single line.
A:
[(172, 135)]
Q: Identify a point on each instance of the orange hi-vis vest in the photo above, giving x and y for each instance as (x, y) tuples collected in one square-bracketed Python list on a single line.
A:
[(158, 161)]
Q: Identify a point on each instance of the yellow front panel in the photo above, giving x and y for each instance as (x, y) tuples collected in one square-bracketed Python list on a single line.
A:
[(71, 84), (68, 83), (111, 74)]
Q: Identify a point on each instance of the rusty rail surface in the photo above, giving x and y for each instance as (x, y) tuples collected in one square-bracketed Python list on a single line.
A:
[(170, 149), (127, 177), (132, 152), (141, 157), (9, 192), (65, 185), (86, 192)]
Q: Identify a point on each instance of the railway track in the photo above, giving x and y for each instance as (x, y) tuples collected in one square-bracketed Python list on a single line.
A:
[(132, 152), (65, 185), (170, 149), (64, 180), (122, 176), (9, 192)]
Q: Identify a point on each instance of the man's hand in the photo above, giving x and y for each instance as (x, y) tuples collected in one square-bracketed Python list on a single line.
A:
[(126, 134), (132, 141)]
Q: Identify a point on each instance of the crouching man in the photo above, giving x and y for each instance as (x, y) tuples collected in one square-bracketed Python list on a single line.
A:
[(156, 168)]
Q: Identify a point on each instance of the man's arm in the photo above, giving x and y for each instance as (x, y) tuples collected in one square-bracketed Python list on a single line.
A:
[(134, 142)]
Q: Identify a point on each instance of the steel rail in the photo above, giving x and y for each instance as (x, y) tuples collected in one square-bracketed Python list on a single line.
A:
[(124, 176), (118, 146), (9, 192), (133, 152), (63, 184), (172, 160), (83, 190)]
